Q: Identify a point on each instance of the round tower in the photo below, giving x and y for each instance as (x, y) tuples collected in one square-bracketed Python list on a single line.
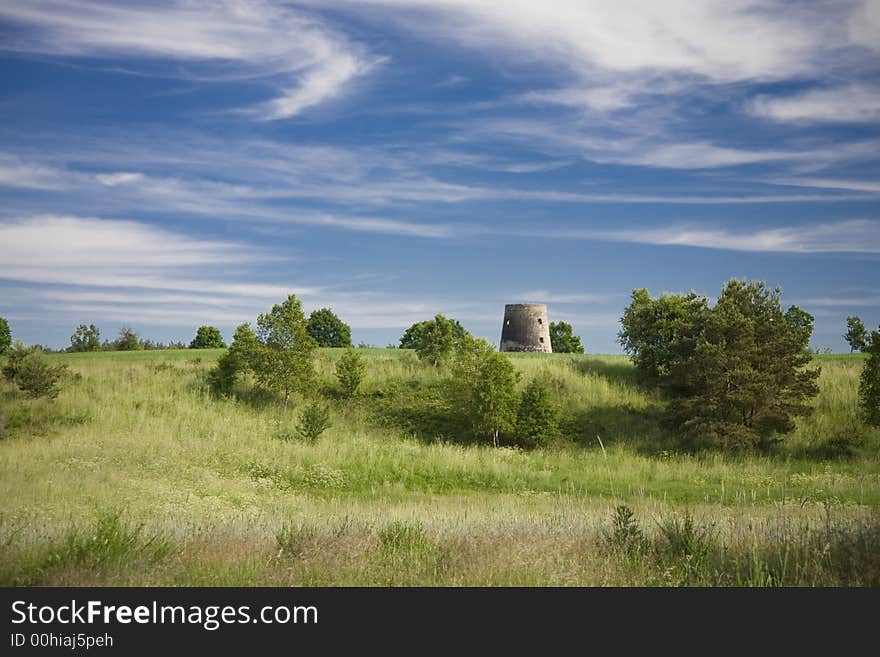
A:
[(525, 328)]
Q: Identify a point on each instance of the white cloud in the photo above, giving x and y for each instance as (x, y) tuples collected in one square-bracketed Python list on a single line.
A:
[(121, 178), (846, 104), (545, 296), (850, 236), (309, 63)]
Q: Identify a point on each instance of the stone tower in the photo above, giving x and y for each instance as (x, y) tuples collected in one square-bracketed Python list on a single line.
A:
[(525, 328)]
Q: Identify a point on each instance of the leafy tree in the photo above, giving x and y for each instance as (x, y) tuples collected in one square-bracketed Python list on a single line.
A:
[(314, 421), (127, 340), (225, 373), (350, 372), (207, 337), (414, 335), (327, 329), (434, 340), (483, 388), (5, 336), (28, 369), (563, 340), (280, 353), (869, 382), (659, 333), (85, 338), (537, 422), (856, 334), (283, 359), (740, 376)]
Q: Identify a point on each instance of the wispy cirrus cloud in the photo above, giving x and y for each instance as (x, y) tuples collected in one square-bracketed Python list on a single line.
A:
[(848, 236), (854, 103), (305, 60)]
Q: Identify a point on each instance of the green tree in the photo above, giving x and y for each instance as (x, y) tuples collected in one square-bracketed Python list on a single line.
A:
[(282, 355), (28, 369), (207, 337), (483, 388), (869, 382), (743, 376), (563, 340), (659, 333), (856, 334), (537, 421), (434, 340), (127, 340), (350, 372), (223, 376), (327, 329), (5, 336), (413, 336), (85, 338)]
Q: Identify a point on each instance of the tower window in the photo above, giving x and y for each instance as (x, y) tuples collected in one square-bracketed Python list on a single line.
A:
[(540, 321), (542, 340)]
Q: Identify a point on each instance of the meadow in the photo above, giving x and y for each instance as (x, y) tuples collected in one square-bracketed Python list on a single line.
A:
[(138, 475)]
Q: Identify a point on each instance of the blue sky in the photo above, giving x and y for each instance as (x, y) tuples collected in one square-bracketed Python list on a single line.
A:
[(169, 164)]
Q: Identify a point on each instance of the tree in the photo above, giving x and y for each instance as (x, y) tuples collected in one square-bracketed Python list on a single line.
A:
[(483, 388), (85, 338), (856, 334), (28, 369), (225, 373), (127, 340), (350, 372), (869, 382), (414, 335), (280, 353), (658, 333), (435, 339), (5, 336), (563, 340), (738, 373), (327, 329), (537, 421), (207, 337)]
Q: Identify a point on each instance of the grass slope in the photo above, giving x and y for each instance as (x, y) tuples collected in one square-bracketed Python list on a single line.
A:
[(137, 475)]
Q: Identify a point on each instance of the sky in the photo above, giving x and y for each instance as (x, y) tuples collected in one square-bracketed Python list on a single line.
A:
[(165, 165)]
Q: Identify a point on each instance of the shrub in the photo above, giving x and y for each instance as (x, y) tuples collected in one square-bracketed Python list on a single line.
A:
[(315, 419), (207, 337), (625, 534), (350, 372), (28, 369), (537, 422), (5, 336)]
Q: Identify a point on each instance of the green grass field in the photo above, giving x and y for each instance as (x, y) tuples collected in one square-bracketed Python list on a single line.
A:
[(136, 475)]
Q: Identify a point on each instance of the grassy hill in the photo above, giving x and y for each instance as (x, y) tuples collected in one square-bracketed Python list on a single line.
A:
[(136, 474)]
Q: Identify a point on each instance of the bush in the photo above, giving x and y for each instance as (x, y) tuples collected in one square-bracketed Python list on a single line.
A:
[(350, 372), (5, 336), (537, 422), (207, 337), (28, 369), (315, 419)]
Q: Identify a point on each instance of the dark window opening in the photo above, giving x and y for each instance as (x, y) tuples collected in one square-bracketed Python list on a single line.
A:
[(542, 340), (540, 321)]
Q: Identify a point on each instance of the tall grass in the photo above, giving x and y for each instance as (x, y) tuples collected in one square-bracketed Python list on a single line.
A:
[(389, 494)]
